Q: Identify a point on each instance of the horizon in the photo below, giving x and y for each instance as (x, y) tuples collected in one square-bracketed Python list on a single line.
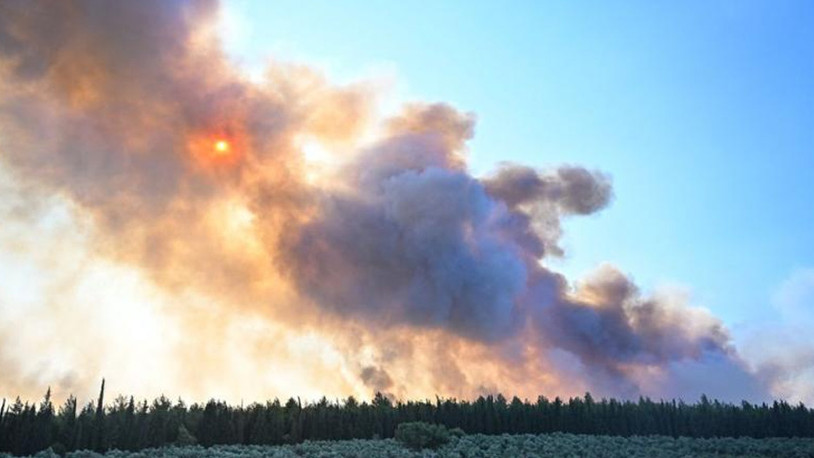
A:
[(110, 401)]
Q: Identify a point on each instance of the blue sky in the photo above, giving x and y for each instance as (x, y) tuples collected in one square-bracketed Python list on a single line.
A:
[(702, 112)]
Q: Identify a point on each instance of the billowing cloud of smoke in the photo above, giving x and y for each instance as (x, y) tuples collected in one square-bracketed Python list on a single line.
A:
[(545, 198), (397, 269)]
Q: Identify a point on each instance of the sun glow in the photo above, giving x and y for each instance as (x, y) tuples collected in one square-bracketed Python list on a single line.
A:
[(222, 147), (217, 150)]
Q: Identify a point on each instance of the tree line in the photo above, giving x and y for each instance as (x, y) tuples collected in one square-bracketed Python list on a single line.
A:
[(125, 424)]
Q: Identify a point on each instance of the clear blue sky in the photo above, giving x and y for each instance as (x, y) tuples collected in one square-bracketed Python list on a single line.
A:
[(702, 111)]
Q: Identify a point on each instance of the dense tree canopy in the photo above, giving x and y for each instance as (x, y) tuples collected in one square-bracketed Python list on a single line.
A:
[(125, 424)]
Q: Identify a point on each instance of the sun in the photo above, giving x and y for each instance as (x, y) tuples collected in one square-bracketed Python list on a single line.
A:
[(222, 147), (216, 149)]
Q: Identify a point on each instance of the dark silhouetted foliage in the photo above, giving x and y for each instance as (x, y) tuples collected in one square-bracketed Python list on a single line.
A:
[(418, 435), (27, 428)]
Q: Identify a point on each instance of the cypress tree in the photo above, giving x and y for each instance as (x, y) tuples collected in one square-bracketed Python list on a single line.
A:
[(99, 421)]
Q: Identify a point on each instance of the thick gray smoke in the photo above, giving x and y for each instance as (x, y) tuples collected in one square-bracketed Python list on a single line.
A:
[(415, 239), (546, 197)]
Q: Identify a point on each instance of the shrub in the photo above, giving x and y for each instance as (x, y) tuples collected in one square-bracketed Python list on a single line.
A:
[(418, 435)]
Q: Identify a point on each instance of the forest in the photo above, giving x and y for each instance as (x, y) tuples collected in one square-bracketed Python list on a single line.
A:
[(127, 424)]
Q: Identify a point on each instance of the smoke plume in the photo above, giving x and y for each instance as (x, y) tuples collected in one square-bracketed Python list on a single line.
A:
[(190, 204)]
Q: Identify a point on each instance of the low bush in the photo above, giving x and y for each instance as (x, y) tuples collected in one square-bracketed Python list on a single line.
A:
[(419, 435)]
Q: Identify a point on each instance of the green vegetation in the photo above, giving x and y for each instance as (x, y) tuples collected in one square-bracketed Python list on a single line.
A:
[(483, 446), (129, 425), (419, 435)]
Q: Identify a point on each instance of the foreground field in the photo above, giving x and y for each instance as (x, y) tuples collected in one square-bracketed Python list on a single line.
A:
[(547, 445)]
